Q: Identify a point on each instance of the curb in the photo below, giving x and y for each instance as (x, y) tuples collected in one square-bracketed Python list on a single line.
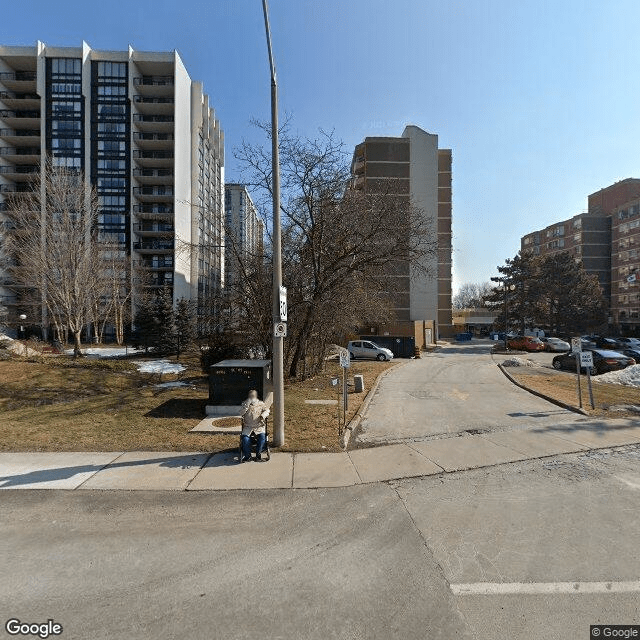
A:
[(354, 423), (558, 403)]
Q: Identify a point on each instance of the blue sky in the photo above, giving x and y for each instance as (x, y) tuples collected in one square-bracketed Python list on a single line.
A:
[(539, 100)]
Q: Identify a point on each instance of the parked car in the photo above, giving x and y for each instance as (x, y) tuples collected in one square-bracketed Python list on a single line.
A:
[(588, 342), (602, 342), (555, 344), (631, 343), (632, 353), (525, 343), (603, 361), (368, 349)]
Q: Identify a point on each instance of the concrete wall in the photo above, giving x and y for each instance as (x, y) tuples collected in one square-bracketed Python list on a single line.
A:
[(183, 181), (423, 170)]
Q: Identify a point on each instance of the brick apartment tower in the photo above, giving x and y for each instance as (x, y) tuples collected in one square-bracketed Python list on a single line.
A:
[(421, 172)]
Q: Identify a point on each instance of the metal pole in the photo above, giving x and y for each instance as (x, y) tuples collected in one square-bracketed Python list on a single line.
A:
[(506, 347), (278, 342), (578, 379)]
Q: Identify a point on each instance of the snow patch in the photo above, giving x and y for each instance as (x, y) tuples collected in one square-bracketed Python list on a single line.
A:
[(630, 377), (519, 362), (16, 347), (158, 366), (107, 352), (172, 385)]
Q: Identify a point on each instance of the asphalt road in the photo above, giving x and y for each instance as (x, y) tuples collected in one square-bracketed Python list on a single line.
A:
[(389, 560), (456, 388)]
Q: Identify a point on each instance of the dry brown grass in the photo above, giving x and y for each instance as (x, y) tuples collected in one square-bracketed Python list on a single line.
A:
[(61, 405), (562, 386)]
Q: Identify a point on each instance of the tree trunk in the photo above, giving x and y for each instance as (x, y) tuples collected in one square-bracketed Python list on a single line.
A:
[(77, 344)]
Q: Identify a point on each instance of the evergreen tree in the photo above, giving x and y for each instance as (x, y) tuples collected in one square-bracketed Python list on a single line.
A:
[(572, 300), (146, 332), (165, 316), (185, 324)]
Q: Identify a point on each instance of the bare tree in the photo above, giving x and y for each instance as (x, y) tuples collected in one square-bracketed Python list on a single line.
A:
[(53, 248), (472, 294), (341, 246)]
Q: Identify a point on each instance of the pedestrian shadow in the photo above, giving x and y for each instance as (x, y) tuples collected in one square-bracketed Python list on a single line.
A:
[(584, 425), (66, 473), (537, 414)]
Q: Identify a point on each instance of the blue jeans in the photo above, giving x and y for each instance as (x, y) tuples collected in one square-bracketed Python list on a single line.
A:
[(246, 444)]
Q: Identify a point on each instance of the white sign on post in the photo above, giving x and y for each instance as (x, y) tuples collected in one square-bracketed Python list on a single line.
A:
[(345, 359), (586, 360), (280, 329), (283, 304), (576, 345)]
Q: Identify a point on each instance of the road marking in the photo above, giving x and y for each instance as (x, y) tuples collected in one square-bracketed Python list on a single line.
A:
[(532, 588)]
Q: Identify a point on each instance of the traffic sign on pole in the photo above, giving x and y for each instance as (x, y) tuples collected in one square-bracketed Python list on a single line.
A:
[(576, 345), (283, 304), (586, 360)]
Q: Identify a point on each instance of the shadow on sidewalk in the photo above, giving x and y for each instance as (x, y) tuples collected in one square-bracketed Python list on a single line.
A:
[(65, 473)]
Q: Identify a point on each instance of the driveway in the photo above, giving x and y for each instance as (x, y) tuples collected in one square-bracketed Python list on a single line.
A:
[(455, 389)]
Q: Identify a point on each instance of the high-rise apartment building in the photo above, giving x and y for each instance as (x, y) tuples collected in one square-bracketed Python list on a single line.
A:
[(143, 134), (625, 267), (244, 230), (413, 167), (586, 236), (603, 239)]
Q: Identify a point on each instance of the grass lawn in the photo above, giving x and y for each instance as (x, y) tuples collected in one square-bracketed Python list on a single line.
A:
[(57, 404), (562, 386)]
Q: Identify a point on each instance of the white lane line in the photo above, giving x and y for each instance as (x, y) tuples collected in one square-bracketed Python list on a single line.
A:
[(506, 588)]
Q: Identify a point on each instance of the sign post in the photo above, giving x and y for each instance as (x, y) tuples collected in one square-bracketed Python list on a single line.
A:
[(345, 363), (586, 362), (576, 349)]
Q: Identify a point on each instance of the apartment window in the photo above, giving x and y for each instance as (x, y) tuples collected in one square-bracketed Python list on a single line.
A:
[(112, 69), (66, 66)]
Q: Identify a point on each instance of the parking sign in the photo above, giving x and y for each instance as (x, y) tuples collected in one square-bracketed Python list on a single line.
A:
[(586, 360), (576, 345)]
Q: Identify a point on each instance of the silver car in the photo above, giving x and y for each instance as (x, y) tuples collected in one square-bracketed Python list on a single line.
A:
[(555, 344), (369, 350)]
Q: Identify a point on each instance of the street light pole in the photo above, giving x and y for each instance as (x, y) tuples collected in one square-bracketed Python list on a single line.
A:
[(278, 341)]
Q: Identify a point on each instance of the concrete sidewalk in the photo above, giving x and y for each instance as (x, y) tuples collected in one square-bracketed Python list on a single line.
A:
[(221, 471)]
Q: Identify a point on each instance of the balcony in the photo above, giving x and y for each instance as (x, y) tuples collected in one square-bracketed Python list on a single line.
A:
[(154, 105), (21, 155), (154, 246), (148, 140), (154, 85), (154, 265), (153, 176), (153, 194), (145, 122), (150, 159), (20, 173), (15, 188), (147, 229), (155, 209), (23, 119), (20, 100), (30, 137), (19, 81), (358, 165)]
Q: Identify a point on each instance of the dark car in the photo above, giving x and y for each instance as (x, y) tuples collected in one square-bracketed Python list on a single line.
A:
[(606, 343), (603, 361), (632, 353)]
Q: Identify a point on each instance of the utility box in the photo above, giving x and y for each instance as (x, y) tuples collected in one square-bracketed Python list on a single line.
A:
[(358, 383), (231, 380)]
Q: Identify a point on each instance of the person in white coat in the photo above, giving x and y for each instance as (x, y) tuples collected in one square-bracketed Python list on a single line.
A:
[(254, 414)]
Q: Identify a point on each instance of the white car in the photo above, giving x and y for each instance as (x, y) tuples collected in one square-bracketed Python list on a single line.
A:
[(555, 344), (368, 349)]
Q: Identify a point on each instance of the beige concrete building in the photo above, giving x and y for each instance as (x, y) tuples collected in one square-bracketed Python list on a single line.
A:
[(146, 138), (420, 172)]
